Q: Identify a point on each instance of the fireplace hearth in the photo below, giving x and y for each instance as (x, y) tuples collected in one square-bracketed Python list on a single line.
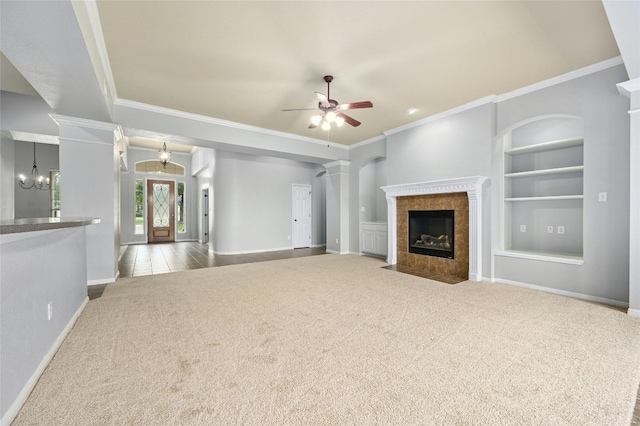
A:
[(431, 233)]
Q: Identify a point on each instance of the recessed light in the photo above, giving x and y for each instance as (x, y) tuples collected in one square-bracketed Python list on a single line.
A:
[(411, 110)]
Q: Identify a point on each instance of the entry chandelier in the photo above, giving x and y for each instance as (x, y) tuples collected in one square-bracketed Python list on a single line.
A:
[(165, 156), (35, 180)]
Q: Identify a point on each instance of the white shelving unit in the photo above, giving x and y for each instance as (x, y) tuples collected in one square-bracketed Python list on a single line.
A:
[(542, 190)]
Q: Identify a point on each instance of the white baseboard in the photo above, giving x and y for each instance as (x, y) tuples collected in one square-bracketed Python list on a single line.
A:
[(380, 256), (104, 280), (252, 251), (572, 294), (340, 252), (633, 312), (22, 397)]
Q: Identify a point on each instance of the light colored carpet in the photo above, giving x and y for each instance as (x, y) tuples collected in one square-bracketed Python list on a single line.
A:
[(337, 340)]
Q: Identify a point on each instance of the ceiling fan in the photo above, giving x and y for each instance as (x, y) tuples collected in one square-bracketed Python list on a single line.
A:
[(331, 111)]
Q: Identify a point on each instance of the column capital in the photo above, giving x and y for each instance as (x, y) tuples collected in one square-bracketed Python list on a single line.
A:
[(70, 127), (338, 166), (626, 88)]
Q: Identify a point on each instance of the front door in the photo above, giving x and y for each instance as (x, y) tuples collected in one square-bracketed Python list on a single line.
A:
[(160, 211), (301, 216)]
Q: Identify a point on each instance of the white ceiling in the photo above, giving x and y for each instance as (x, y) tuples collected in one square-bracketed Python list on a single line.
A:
[(244, 61)]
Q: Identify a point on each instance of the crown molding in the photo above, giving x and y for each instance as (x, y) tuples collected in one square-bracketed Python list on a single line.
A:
[(85, 122), (609, 63), (581, 72), (474, 104), (368, 141), (125, 103), (32, 137), (89, 19)]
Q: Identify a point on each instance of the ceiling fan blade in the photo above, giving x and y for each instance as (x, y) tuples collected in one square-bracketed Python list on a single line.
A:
[(299, 109), (350, 120), (323, 99), (356, 105)]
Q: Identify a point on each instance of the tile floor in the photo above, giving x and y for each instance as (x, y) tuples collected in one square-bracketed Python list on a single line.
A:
[(148, 259)]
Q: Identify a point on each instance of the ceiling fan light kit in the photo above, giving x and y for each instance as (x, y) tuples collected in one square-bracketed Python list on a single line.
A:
[(331, 110)]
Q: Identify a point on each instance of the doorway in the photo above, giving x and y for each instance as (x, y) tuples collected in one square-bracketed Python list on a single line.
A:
[(161, 211), (205, 216), (301, 216)]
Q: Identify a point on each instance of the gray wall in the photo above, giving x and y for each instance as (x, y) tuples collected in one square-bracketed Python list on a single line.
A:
[(466, 144), (128, 200), (373, 176), (252, 202), (32, 202), (203, 162), (594, 97), (368, 172), (454, 146), (60, 277), (28, 114)]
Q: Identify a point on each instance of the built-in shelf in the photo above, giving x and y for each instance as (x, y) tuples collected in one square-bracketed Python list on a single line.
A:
[(546, 146), (542, 172), (547, 257), (543, 190), (547, 198)]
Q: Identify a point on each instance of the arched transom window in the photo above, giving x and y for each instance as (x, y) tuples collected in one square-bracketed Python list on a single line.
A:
[(156, 167)]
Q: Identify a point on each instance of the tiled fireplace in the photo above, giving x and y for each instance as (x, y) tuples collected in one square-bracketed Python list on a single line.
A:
[(463, 196)]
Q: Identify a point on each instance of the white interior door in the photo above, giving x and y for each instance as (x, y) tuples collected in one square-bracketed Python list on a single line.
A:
[(205, 216), (301, 216)]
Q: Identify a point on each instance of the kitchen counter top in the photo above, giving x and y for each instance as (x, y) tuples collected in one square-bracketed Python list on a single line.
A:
[(16, 226)]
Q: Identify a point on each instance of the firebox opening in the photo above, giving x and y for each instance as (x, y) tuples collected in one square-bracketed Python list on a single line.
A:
[(431, 232)]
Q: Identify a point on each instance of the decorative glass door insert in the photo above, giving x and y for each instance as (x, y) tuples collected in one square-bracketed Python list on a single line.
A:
[(161, 207)]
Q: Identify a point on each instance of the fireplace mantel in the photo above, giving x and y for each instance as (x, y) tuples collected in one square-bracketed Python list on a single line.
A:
[(471, 185)]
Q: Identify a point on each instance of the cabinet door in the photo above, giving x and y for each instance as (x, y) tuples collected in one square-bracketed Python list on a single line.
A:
[(368, 241), (381, 242)]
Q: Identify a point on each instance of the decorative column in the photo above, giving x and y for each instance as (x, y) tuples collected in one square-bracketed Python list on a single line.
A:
[(338, 206), (392, 230), (90, 187), (631, 89)]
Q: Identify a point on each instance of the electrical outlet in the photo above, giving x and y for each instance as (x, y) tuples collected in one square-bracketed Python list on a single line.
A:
[(602, 197), (523, 228), (337, 241), (49, 311), (362, 209), (550, 229), (560, 229), (289, 237)]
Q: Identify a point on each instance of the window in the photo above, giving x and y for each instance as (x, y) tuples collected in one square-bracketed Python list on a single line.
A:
[(54, 192), (181, 210), (156, 167), (139, 212)]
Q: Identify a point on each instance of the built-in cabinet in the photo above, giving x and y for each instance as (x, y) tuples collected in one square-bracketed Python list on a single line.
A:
[(373, 238), (543, 189)]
